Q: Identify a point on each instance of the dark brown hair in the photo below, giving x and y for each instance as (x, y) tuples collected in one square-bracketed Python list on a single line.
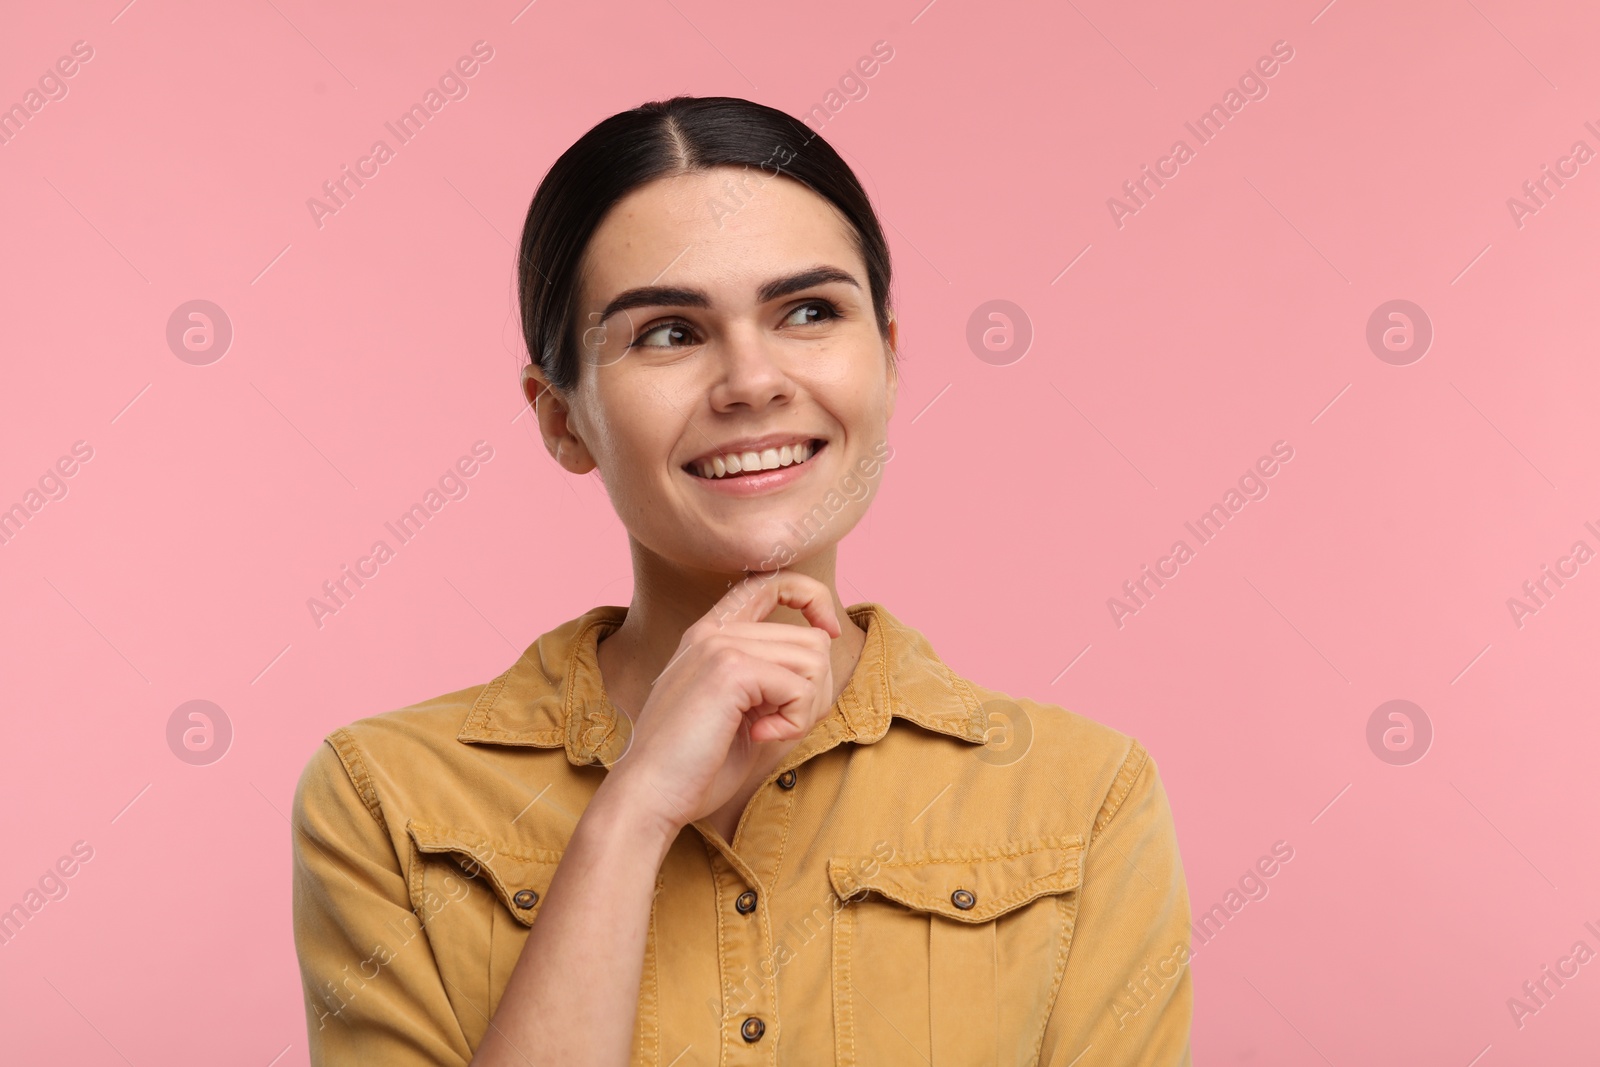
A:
[(655, 140)]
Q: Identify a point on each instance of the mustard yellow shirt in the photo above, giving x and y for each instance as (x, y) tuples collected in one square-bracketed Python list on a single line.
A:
[(937, 874)]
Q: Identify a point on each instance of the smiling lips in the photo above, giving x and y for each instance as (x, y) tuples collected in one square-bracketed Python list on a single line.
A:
[(729, 464)]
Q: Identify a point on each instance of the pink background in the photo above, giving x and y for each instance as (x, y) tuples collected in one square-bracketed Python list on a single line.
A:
[(1230, 312)]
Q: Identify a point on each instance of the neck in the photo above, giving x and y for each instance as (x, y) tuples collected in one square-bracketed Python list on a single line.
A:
[(668, 599)]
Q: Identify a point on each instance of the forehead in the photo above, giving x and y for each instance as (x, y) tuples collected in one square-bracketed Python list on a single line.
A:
[(727, 229)]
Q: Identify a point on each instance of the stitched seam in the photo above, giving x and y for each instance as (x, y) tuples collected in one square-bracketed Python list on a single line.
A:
[(942, 672), (935, 1023), (1121, 787), (783, 837), (848, 699), (774, 1028), (994, 1002), (1057, 881), (349, 753), (571, 695), (489, 1002), (414, 880), (1068, 906), (467, 859), (546, 738), (851, 708), (722, 954), (843, 998), (941, 905), (491, 692), (885, 679), (943, 856), (414, 887), (777, 867), (975, 723), (649, 1015), (1002, 851), (443, 836), (497, 885)]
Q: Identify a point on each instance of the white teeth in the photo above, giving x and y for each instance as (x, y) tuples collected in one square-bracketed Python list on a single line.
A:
[(767, 459)]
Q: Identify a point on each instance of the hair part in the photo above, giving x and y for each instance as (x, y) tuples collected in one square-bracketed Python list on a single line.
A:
[(657, 140)]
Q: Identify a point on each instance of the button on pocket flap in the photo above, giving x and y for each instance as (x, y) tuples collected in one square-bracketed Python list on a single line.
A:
[(971, 885), (517, 874)]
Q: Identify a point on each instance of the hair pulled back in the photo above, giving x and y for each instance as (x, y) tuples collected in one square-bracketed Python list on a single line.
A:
[(656, 140)]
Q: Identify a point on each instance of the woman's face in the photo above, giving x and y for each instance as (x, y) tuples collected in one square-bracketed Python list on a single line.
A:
[(725, 317)]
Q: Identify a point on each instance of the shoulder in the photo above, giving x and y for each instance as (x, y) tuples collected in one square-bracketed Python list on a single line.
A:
[(1064, 757), (472, 757), (429, 725), (385, 760), (1032, 763)]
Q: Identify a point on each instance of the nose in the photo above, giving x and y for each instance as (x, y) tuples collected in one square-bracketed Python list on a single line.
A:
[(748, 373)]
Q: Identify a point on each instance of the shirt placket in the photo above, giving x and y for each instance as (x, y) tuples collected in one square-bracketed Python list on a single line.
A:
[(742, 879)]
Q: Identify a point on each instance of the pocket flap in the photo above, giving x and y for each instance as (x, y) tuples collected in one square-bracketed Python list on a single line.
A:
[(517, 874), (972, 885)]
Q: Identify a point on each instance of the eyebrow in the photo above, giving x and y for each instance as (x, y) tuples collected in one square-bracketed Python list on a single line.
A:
[(677, 296)]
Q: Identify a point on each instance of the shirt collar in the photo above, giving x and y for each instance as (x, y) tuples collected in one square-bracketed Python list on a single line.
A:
[(554, 695)]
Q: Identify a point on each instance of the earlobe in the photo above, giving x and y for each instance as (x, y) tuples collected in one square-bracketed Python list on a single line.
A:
[(573, 457), (555, 423)]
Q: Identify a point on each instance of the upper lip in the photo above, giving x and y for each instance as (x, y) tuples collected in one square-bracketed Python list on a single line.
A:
[(754, 444)]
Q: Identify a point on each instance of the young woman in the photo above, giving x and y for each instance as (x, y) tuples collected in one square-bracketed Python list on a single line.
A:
[(735, 822)]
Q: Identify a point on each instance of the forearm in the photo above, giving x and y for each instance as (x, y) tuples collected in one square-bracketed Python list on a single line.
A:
[(574, 992)]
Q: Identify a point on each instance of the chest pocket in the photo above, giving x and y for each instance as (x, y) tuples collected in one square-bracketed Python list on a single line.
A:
[(954, 955), (476, 896)]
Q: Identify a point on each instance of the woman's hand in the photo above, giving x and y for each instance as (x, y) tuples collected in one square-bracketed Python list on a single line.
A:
[(735, 686)]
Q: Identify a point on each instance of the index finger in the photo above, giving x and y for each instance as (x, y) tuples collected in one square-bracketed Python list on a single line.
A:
[(753, 599)]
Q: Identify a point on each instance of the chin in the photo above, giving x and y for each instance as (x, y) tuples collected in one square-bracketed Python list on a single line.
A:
[(753, 553)]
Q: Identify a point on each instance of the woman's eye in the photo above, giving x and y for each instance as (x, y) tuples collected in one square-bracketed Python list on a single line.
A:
[(667, 335), (806, 314)]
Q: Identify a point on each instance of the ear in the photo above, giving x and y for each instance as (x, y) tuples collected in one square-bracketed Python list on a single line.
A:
[(893, 369), (561, 437)]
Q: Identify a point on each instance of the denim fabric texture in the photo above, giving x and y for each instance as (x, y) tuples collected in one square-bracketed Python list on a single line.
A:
[(922, 894)]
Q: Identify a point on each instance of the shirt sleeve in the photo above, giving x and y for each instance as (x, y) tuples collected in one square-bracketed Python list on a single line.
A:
[(1127, 998), (366, 1001)]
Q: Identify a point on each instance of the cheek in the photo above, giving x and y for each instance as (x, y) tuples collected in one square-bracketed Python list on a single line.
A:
[(634, 435), (860, 400), (849, 373)]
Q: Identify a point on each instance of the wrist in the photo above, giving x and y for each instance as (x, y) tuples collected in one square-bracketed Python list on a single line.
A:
[(626, 804)]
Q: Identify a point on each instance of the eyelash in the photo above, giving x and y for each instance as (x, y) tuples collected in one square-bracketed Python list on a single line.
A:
[(828, 306)]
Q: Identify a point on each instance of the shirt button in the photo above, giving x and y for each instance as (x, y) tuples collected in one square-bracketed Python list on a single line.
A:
[(746, 902), (526, 898), (786, 779), (752, 1029), (963, 899)]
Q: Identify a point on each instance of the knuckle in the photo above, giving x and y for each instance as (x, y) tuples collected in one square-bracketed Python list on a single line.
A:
[(724, 659)]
